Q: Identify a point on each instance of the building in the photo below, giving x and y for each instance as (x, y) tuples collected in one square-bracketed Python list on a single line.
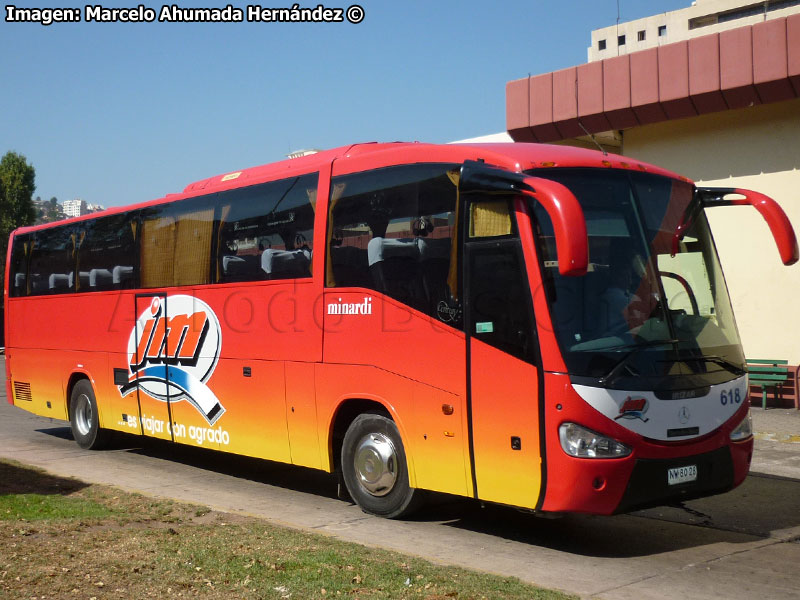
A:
[(703, 17), (47, 210), (715, 98), (75, 208)]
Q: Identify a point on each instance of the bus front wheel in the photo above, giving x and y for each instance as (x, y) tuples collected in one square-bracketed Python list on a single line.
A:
[(84, 419), (374, 467)]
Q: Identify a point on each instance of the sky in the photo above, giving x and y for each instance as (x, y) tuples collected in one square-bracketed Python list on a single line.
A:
[(118, 113)]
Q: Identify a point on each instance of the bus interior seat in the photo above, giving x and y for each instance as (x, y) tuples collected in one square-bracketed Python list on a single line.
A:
[(122, 275), (350, 266), (83, 279), (59, 281), (38, 284), (395, 269), (100, 278), (240, 268), (19, 284), (286, 264), (434, 257)]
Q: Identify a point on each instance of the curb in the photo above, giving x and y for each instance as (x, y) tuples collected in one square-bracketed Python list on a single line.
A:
[(789, 438)]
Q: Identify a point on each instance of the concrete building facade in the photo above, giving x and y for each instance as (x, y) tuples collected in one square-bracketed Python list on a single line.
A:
[(722, 108), (75, 208), (703, 17)]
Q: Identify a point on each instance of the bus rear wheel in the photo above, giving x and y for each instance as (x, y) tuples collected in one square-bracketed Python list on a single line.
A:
[(374, 467), (84, 419)]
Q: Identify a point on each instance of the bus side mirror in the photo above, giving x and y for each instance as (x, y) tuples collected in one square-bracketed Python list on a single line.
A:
[(569, 224), (773, 214)]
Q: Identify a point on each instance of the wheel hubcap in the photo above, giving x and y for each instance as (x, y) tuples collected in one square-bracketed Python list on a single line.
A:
[(376, 464), (83, 414)]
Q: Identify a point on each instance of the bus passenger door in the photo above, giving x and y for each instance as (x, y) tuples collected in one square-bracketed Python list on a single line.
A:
[(149, 365), (503, 374)]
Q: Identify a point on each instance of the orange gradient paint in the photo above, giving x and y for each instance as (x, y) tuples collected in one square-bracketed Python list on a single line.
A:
[(291, 364)]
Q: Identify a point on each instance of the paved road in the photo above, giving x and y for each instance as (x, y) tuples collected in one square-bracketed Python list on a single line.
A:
[(745, 544)]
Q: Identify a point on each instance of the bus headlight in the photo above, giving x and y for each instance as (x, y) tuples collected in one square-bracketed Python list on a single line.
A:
[(584, 443), (743, 430)]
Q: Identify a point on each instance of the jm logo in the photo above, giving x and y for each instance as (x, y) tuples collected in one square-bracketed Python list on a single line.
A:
[(175, 340), (173, 350), (633, 408)]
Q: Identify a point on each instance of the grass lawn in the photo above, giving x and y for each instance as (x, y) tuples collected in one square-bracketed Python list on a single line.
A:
[(62, 538)]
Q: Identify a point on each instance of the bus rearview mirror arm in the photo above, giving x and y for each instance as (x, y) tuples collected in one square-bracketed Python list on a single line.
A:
[(778, 222), (561, 205)]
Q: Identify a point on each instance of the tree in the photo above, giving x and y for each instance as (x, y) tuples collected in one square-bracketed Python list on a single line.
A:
[(16, 192), (54, 211)]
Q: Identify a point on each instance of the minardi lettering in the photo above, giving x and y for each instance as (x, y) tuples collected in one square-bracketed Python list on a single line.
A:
[(176, 340), (351, 308)]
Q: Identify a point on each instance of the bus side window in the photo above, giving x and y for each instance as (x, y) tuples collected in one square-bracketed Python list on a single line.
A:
[(157, 257), (490, 218), (176, 243), (266, 231), (499, 300), (52, 261), (391, 230), (18, 281), (499, 303), (107, 253)]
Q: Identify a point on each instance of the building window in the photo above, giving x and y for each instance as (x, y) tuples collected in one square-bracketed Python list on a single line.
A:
[(620, 40), (662, 30), (642, 35), (601, 45)]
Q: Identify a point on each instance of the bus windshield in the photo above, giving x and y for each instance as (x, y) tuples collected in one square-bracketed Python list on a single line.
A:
[(641, 318)]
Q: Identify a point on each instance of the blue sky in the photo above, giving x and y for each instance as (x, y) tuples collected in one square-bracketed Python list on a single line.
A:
[(117, 113)]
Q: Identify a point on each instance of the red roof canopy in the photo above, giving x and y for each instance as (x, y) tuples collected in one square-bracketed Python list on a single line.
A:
[(757, 64)]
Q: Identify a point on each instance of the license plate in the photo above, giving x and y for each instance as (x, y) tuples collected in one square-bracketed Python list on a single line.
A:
[(682, 474)]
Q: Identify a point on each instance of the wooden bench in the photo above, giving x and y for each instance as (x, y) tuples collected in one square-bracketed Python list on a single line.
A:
[(769, 373)]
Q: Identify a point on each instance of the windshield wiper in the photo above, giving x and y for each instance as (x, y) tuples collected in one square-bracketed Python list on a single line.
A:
[(723, 362), (634, 345), (636, 348)]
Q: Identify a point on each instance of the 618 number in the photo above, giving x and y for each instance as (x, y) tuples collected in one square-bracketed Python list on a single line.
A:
[(732, 395)]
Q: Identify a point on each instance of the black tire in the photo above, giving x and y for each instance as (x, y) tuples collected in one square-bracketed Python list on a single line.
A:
[(84, 418), (371, 441)]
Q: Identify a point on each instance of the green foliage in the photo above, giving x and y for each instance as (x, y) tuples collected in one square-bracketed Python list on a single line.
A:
[(34, 507), (54, 211), (16, 192), (16, 204)]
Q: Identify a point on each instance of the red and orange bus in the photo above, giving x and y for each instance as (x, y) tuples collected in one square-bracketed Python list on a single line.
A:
[(543, 327)]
